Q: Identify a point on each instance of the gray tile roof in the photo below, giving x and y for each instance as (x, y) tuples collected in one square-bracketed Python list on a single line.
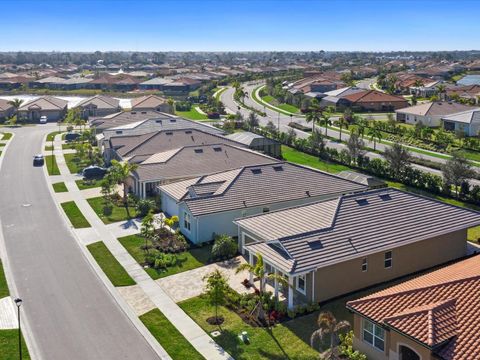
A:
[(465, 117), (244, 137), (151, 143), (101, 102), (123, 118), (258, 185), (375, 221), (194, 161)]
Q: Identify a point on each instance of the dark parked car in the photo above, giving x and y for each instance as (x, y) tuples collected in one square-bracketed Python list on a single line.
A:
[(71, 136), (94, 172), (38, 160)]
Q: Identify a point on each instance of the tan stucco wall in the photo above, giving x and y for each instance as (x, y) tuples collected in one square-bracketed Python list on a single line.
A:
[(397, 339), (347, 277)]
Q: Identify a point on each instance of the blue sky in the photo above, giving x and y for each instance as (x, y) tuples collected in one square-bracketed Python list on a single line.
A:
[(229, 25)]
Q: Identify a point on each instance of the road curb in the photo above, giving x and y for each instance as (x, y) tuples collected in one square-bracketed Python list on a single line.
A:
[(141, 328)]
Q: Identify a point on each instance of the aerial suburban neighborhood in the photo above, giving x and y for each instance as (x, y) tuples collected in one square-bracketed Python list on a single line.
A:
[(240, 180)]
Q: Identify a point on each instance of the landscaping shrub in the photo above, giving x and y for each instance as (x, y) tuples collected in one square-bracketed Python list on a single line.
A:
[(161, 261), (144, 206), (224, 247)]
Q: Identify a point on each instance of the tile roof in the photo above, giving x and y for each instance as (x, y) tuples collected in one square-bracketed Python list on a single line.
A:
[(438, 309), (4, 105), (149, 101), (44, 103), (195, 161), (258, 185), (363, 224), (465, 117), (101, 102), (369, 96), (437, 108)]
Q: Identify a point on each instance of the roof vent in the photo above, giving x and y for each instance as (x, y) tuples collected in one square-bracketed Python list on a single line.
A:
[(173, 120), (385, 197), (144, 112), (134, 112), (256, 171), (362, 202), (169, 133), (188, 132), (217, 149), (198, 151), (158, 121), (278, 168)]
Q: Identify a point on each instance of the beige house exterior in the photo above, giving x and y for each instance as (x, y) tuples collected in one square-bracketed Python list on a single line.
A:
[(53, 108), (151, 103)]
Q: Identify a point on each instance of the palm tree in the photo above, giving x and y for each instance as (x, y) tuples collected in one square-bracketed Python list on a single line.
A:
[(418, 83), (375, 134), (171, 103), (314, 114), (121, 172), (16, 103), (329, 325), (362, 124), (342, 123), (441, 91), (325, 118), (258, 271)]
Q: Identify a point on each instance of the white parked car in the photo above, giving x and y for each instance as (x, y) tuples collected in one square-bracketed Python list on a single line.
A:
[(43, 119)]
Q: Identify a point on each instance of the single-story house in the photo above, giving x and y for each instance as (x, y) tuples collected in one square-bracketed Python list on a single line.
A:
[(152, 103), (6, 109), (428, 89), (121, 118), (53, 108), (466, 121), (334, 247), (99, 105), (431, 317), (430, 113), (335, 97), (189, 162), (209, 204), (373, 100), (141, 146), (257, 142)]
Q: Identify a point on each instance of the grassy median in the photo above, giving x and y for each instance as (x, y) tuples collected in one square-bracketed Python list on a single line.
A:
[(51, 164), (169, 337), (110, 265), (75, 215), (60, 187)]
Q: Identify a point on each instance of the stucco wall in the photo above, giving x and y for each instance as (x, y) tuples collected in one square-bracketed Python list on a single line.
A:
[(346, 277)]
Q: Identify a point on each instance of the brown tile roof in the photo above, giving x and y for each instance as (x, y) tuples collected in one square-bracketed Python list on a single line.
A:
[(101, 102), (45, 103), (149, 101), (438, 309), (369, 96), (4, 105)]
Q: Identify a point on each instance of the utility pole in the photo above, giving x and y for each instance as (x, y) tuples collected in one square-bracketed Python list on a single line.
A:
[(18, 302)]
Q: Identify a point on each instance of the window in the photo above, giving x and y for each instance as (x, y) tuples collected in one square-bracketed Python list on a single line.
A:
[(364, 265), (373, 335), (186, 221), (301, 283), (388, 259)]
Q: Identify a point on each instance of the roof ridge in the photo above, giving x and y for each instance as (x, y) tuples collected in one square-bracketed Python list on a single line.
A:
[(148, 138)]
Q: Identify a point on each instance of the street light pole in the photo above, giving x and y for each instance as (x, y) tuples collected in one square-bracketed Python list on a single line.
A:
[(18, 302)]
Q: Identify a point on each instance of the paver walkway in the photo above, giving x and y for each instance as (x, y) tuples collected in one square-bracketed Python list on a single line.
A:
[(8, 314), (200, 340)]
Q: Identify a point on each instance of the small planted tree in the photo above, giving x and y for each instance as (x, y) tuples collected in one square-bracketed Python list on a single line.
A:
[(216, 288), (456, 171), (398, 159), (329, 326), (252, 121), (224, 247), (147, 229), (355, 147), (121, 172)]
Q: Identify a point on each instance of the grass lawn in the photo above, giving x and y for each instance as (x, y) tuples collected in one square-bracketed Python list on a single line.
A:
[(3, 283), (68, 146), (75, 215), (51, 136), (191, 259), (192, 114), (60, 187), (289, 108), (289, 340), (6, 136), (83, 185), (169, 337), (119, 213), (219, 93), (9, 345), (72, 163), (109, 264), (298, 157), (51, 168), (48, 148), (473, 234)]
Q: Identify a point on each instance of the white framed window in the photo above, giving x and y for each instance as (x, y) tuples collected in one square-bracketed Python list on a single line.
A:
[(364, 264), (373, 335), (186, 221), (301, 283), (388, 260)]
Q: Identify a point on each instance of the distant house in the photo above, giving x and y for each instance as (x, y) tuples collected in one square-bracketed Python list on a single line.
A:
[(209, 204), (373, 100), (334, 247), (433, 316), (335, 97), (257, 142), (466, 121), (6, 110), (120, 82), (467, 92), (53, 108), (99, 105), (151, 103), (429, 114)]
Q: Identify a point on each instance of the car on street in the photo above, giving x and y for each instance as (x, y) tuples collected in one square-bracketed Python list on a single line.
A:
[(38, 160), (43, 119), (94, 172)]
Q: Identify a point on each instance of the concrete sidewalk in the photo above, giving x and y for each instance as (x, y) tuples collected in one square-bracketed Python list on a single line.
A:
[(200, 340)]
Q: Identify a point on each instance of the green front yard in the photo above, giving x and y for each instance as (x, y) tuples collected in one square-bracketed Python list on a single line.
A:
[(9, 345), (51, 164), (73, 163), (88, 184), (75, 215), (289, 340), (60, 187), (188, 260), (192, 114), (51, 136), (110, 265), (119, 213), (298, 157), (169, 337), (3, 283)]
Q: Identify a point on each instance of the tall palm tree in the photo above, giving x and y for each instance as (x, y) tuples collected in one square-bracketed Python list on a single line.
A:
[(325, 118), (342, 123), (328, 325), (121, 172), (171, 103), (314, 114), (441, 91), (375, 135), (16, 103), (258, 271)]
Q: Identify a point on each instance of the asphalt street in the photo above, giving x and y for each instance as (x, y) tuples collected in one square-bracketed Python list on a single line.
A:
[(68, 309)]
